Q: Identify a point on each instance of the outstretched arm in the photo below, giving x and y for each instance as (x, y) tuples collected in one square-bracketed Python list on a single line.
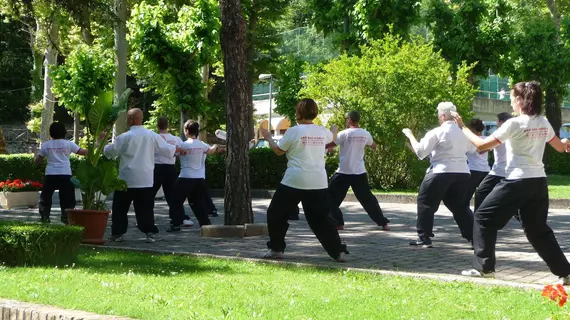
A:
[(272, 144)]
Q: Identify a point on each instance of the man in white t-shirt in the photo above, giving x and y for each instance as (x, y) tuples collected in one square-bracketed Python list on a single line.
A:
[(136, 149), (352, 173), (191, 182), (446, 179), (58, 172)]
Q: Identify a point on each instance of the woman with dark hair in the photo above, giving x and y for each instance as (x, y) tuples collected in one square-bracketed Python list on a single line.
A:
[(305, 181), (524, 188), (478, 161)]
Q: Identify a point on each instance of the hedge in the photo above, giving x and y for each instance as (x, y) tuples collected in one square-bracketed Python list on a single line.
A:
[(30, 244)]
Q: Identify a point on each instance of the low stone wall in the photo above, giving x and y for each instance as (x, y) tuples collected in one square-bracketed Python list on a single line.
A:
[(16, 310)]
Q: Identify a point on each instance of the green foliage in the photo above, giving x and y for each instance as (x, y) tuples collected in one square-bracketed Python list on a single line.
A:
[(472, 31), (30, 244), (289, 83), (169, 45), (394, 85), (87, 72)]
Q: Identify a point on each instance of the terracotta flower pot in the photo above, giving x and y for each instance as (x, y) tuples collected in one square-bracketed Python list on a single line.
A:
[(94, 222)]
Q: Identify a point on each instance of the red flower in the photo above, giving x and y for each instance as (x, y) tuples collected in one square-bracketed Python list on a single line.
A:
[(555, 293)]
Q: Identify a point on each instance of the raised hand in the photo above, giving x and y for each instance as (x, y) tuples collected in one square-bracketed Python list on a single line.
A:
[(334, 129), (407, 132), (457, 118), (266, 134)]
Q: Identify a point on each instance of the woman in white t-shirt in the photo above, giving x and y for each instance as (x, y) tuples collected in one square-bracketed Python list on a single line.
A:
[(478, 162), (58, 172), (524, 188), (305, 181), (191, 182)]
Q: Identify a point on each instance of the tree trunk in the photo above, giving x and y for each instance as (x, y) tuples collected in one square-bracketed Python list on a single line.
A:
[(38, 57), (250, 64), (50, 63), (554, 13), (553, 111), (237, 189), (120, 61), (202, 120)]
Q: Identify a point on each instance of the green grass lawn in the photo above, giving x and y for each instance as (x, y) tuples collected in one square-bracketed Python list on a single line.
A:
[(558, 188), (149, 286)]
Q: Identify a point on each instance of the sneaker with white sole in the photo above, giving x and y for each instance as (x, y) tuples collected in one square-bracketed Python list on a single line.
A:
[(422, 242), (187, 223), (270, 254), (152, 237), (117, 238), (341, 257), (565, 281), (477, 274)]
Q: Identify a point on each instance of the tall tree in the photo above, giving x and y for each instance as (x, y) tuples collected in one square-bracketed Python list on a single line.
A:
[(120, 28), (237, 196)]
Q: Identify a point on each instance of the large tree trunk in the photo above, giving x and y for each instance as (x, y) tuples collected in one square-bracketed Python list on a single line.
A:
[(202, 119), (38, 58), (50, 63), (553, 111), (120, 61), (250, 64), (237, 190)]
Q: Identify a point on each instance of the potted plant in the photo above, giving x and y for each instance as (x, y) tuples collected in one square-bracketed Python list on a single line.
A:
[(97, 176), (19, 193)]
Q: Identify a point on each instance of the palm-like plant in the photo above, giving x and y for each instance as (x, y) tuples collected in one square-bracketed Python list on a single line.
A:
[(97, 175)]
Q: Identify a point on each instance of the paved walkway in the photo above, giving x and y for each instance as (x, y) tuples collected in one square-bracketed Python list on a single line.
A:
[(369, 247)]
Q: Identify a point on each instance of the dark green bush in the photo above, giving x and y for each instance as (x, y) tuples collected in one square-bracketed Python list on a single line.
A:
[(23, 166), (30, 244)]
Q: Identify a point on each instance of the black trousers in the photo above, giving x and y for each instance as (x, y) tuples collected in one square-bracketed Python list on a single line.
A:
[(485, 187), (473, 183), (143, 201), (338, 187), (66, 195), (530, 196), (451, 188), (208, 202), (165, 176), (315, 206), (189, 188)]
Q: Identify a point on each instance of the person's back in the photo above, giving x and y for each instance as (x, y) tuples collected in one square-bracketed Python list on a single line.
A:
[(449, 153), (352, 143), (171, 140), (192, 165), (477, 161), (57, 153)]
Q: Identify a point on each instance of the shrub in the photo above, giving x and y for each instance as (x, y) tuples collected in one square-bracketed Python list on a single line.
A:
[(22, 166), (394, 84), (26, 243)]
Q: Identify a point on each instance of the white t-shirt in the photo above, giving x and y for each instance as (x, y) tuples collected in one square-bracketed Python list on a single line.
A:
[(304, 145), (57, 153), (500, 164), (527, 136), (447, 146), (193, 164), (475, 160), (172, 140), (352, 142), (136, 149)]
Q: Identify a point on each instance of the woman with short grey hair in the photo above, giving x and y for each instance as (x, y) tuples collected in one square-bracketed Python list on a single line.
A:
[(447, 177)]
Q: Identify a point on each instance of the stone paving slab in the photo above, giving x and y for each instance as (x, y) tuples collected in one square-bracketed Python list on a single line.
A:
[(370, 247)]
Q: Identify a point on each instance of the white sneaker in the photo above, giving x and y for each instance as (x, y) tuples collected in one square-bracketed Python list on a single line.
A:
[(477, 274), (187, 223), (152, 237), (270, 254), (342, 257), (117, 238), (565, 281)]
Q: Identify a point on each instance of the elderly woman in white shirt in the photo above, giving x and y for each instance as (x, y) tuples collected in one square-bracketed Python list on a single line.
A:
[(524, 188), (305, 181), (446, 179)]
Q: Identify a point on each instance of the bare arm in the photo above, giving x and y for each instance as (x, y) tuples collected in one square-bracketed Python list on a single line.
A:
[(82, 152), (560, 145), (212, 149), (482, 144), (39, 159), (272, 144), (373, 146)]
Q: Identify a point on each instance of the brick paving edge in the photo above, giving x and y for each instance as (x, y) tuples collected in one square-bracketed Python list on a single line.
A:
[(18, 310), (429, 276)]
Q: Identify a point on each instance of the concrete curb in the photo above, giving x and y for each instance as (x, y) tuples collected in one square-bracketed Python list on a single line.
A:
[(16, 310), (428, 276)]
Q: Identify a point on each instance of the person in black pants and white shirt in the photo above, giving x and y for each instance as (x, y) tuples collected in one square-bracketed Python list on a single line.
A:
[(525, 187), (352, 173), (136, 149), (58, 172), (164, 167), (498, 171), (305, 181), (191, 182), (447, 177), (478, 161)]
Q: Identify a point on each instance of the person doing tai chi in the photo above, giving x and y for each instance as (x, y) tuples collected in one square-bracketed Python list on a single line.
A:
[(58, 172), (352, 172), (305, 181), (524, 188), (478, 161), (136, 149), (447, 177), (191, 182)]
